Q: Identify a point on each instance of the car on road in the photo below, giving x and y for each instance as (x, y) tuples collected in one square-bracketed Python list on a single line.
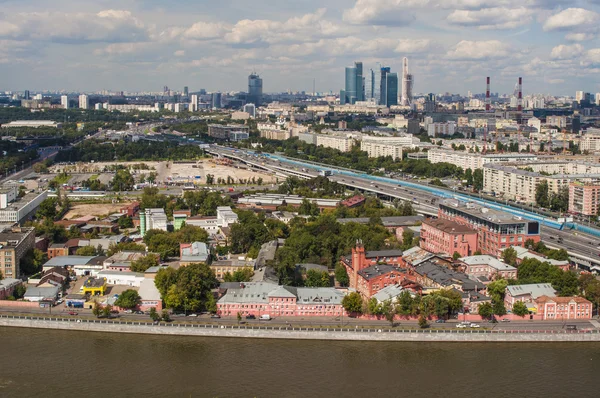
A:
[(250, 316), (193, 315), (139, 312), (128, 311), (505, 320), (73, 313), (474, 325), (440, 321), (215, 316), (461, 326)]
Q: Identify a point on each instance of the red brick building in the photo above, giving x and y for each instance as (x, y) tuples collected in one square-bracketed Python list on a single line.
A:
[(371, 271), (131, 209), (496, 230), (449, 237)]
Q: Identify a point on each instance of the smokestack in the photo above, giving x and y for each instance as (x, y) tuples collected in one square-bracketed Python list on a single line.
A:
[(520, 97), (487, 96)]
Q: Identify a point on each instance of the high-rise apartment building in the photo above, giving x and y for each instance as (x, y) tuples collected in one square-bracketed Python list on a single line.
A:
[(15, 242), (255, 89), (186, 91), (84, 101), (370, 86), (64, 101)]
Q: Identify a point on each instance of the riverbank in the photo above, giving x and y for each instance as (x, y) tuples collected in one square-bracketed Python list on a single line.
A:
[(308, 333)]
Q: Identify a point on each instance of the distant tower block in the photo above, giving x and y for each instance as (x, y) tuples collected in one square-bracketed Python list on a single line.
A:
[(407, 84), (488, 105), (520, 96)]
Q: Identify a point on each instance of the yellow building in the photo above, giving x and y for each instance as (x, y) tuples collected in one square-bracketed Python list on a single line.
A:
[(94, 286)]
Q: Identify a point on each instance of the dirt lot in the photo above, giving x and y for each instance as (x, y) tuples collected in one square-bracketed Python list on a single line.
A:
[(96, 209), (167, 171)]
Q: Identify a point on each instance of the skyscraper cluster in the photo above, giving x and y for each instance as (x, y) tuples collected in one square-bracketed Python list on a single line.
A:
[(379, 85)]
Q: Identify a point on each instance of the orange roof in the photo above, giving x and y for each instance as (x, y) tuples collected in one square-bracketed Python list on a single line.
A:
[(562, 300)]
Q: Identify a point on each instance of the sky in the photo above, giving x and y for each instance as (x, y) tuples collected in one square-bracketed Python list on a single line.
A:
[(452, 45)]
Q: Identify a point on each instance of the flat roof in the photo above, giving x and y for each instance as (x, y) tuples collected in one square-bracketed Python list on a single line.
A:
[(487, 260), (447, 226), (485, 213)]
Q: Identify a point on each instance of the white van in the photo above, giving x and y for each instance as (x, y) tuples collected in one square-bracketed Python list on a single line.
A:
[(265, 317)]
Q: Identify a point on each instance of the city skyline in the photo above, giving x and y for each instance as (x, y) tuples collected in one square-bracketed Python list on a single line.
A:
[(452, 46)]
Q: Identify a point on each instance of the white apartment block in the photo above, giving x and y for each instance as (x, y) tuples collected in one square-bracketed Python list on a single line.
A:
[(437, 129), (535, 123), (152, 219), (473, 161), (518, 184), (131, 108), (558, 121), (84, 101), (64, 101), (590, 141), (385, 146), (341, 142)]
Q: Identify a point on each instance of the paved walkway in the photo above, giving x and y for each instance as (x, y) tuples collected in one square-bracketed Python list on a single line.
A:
[(595, 323)]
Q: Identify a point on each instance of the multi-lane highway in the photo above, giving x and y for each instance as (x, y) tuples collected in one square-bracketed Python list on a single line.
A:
[(582, 247)]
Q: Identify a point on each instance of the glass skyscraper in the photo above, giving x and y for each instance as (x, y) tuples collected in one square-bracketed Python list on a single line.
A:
[(355, 84), (392, 89), (383, 85), (255, 89)]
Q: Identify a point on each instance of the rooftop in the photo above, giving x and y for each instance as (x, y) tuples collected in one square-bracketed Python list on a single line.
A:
[(61, 261), (446, 277), (148, 290), (383, 253), (523, 253), (378, 270), (562, 300), (485, 213), (94, 282), (487, 260), (447, 226), (399, 221), (197, 251), (388, 293), (535, 290)]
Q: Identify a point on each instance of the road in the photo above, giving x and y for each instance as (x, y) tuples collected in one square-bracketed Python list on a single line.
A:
[(578, 244), (319, 321)]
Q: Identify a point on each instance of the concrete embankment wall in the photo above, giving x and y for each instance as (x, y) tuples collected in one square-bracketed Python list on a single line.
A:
[(305, 334)]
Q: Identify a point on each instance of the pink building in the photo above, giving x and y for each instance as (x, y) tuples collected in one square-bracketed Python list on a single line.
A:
[(7, 286), (563, 308), (527, 293), (445, 236), (488, 267), (262, 298), (584, 198)]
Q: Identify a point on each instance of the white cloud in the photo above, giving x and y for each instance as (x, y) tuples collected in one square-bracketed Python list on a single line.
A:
[(294, 29), (205, 30), (579, 36), (591, 57), (383, 12), (572, 19), (566, 51), (477, 50), (104, 26), (492, 18)]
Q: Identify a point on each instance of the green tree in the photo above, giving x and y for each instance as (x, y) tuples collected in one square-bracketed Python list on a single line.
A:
[(509, 256), (97, 309), (541, 194), (423, 324), (499, 308), (122, 181), (242, 275), (389, 311), (129, 299), (469, 177), (456, 256), (165, 316), (485, 310), (86, 251), (47, 209), (308, 208), (520, 309), (341, 275), (164, 279), (32, 261), (190, 289), (125, 246), (106, 310), (316, 278), (353, 303), (125, 222), (210, 179), (143, 263), (478, 179), (154, 314), (239, 317)]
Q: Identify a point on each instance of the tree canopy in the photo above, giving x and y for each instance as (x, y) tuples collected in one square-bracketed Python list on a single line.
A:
[(129, 299)]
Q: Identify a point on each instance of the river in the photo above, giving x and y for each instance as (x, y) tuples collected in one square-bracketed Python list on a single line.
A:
[(47, 363)]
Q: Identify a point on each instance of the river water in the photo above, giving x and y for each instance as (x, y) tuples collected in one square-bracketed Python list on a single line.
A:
[(44, 363)]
